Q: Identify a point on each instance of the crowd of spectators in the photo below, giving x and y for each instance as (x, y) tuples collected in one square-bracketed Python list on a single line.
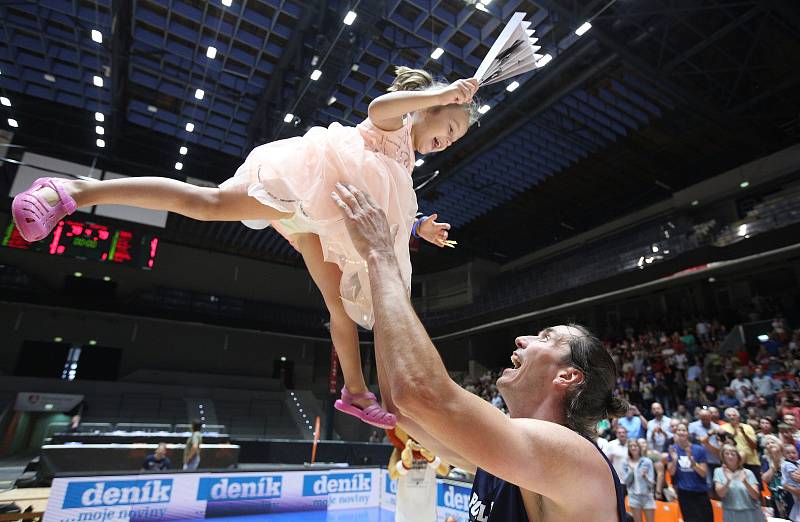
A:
[(703, 423)]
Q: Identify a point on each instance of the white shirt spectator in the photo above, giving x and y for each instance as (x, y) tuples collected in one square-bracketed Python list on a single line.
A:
[(702, 328), (618, 455), (737, 385), (680, 360), (763, 386), (664, 422)]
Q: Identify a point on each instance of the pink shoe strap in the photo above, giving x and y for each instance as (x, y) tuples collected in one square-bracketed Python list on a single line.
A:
[(348, 397), (67, 203)]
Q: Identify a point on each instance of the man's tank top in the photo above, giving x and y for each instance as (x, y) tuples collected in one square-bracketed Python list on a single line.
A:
[(495, 500)]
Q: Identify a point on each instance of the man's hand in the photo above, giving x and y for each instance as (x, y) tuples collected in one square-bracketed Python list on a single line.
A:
[(433, 232), (365, 222)]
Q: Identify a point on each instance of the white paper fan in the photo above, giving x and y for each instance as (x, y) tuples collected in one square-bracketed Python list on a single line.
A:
[(514, 52)]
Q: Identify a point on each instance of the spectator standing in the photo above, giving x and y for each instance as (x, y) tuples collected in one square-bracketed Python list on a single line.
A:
[(781, 500), (704, 431), (640, 481), (634, 422), (157, 461), (789, 470), (659, 419), (191, 453), (746, 441), (617, 451), (738, 489), (688, 468)]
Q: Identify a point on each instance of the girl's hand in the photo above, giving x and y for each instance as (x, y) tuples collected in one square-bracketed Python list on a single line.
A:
[(460, 91), (433, 232)]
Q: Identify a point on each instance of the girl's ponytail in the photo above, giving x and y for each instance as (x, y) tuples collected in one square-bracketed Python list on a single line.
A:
[(408, 79)]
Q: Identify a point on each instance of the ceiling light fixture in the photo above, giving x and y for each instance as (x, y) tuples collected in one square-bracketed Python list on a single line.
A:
[(580, 31), (437, 53), (350, 17)]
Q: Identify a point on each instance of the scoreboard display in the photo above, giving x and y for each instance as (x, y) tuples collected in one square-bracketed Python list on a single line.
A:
[(86, 240)]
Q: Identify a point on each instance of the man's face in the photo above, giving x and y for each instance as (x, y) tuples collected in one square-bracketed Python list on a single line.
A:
[(160, 452), (714, 413), (622, 435), (789, 419), (657, 409), (705, 417), (535, 362), (732, 415)]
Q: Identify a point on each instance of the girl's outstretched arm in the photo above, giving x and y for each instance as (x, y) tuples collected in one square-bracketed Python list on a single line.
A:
[(387, 111)]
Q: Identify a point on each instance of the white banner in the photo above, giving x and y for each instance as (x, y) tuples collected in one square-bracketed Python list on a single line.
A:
[(209, 495)]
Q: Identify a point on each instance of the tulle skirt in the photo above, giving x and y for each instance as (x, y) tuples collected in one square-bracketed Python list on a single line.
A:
[(297, 175)]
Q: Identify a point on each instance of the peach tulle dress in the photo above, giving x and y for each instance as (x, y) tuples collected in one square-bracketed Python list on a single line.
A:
[(298, 174)]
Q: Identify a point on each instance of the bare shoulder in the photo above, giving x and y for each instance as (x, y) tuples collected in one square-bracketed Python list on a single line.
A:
[(571, 464)]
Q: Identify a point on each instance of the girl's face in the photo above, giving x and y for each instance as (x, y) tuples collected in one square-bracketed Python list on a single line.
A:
[(790, 452), (437, 128), (772, 446), (633, 449)]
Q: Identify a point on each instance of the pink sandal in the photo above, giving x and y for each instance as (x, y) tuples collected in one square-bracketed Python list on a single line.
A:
[(372, 414), (34, 217)]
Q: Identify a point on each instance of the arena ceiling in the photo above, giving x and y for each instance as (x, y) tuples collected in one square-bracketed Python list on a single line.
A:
[(656, 96)]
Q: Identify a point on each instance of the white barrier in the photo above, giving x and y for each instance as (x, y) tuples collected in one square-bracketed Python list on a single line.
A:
[(182, 496)]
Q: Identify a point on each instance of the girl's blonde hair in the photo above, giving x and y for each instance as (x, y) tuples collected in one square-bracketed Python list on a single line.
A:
[(408, 79)]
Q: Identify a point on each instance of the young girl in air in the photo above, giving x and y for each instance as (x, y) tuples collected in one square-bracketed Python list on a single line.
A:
[(287, 184)]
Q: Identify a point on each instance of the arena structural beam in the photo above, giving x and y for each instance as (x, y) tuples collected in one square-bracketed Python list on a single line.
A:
[(122, 12), (259, 126), (705, 108)]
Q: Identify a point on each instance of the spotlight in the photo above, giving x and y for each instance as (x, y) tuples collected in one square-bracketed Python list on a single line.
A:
[(211, 52), (57, 339), (97, 36), (437, 53), (580, 31), (199, 93), (190, 127), (512, 86), (316, 74), (100, 143), (182, 151), (544, 60), (106, 279), (744, 184), (99, 130), (78, 274), (12, 122), (50, 78), (419, 162), (227, 3), (92, 343), (5, 101), (484, 109), (99, 116), (97, 80), (349, 18), (152, 108), (331, 100), (283, 359), (288, 118), (179, 166)]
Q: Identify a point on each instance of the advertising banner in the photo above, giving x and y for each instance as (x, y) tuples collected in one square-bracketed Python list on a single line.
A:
[(184, 496)]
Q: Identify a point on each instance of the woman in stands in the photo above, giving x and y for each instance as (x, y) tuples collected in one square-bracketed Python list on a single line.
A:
[(687, 464), (640, 480), (738, 488)]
